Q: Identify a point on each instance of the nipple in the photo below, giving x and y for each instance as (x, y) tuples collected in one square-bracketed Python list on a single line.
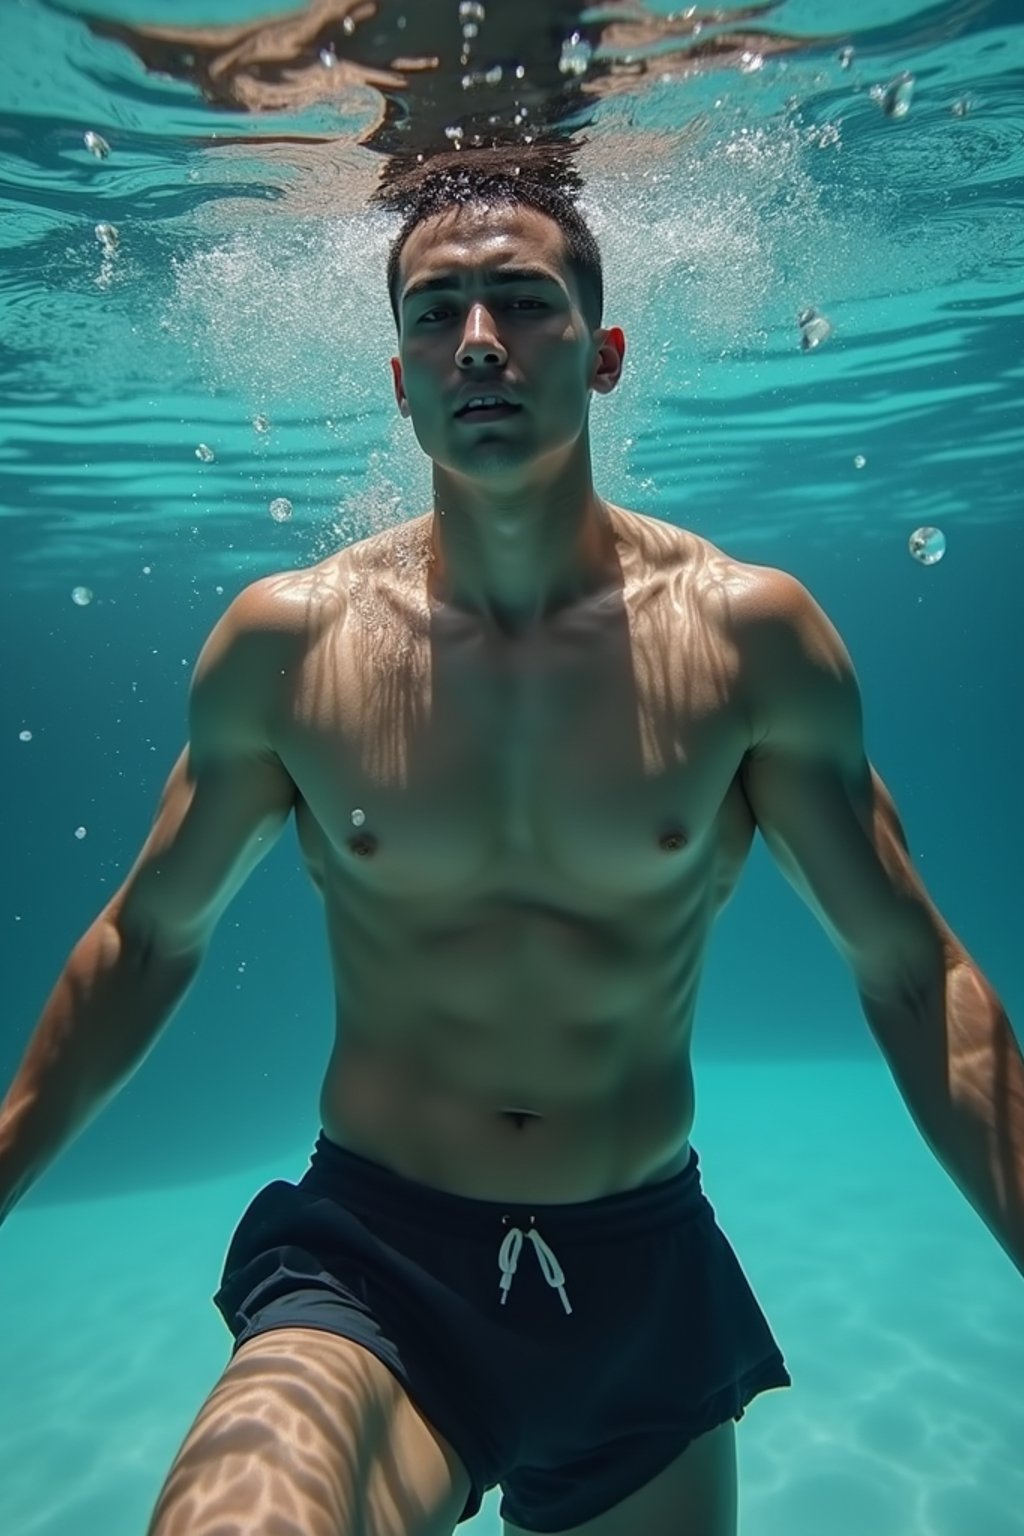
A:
[(364, 844), (673, 839)]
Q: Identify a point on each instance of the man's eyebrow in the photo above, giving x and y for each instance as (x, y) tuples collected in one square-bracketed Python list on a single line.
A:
[(501, 275)]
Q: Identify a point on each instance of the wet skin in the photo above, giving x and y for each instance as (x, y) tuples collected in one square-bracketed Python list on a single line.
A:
[(527, 739)]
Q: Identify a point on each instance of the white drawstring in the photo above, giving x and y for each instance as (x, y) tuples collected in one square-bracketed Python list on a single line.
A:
[(508, 1258)]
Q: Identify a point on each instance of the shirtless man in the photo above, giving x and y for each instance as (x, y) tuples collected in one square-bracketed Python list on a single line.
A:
[(527, 739)]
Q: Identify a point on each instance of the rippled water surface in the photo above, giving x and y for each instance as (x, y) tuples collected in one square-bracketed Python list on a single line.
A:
[(247, 279)]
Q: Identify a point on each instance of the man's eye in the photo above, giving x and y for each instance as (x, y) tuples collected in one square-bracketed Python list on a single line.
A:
[(443, 311)]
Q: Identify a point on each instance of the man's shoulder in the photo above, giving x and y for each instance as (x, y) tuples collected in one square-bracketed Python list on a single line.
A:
[(709, 570), (768, 615), (297, 605)]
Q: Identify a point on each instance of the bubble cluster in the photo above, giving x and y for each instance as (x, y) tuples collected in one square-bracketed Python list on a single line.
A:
[(734, 230), (109, 238), (575, 56), (471, 14), (281, 509), (206, 453), (252, 308)]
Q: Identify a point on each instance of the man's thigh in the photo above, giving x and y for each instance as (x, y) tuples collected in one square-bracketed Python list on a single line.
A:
[(695, 1495), (309, 1434)]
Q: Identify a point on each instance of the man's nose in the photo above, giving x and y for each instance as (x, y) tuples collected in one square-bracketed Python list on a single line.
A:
[(480, 345)]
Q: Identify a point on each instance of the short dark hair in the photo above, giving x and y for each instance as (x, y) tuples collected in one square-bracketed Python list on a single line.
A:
[(508, 177)]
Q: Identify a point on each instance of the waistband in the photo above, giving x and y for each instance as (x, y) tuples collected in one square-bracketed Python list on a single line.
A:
[(361, 1184)]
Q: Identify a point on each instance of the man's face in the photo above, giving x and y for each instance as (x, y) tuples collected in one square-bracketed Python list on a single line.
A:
[(501, 316)]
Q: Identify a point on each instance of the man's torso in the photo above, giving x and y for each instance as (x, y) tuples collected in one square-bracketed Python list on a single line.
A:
[(521, 845)]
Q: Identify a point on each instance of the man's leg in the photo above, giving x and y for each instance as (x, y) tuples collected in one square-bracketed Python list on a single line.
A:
[(695, 1495), (309, 1434)]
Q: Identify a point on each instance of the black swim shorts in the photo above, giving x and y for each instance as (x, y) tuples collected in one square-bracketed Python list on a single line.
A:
[(567, 1353)]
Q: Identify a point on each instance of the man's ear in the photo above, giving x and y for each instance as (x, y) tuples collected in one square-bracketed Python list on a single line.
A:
[(396, 373), (611, 351)]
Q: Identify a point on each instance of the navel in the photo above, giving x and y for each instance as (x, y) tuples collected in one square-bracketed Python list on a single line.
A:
[(519, 1117), (364, 844), (674, 838)]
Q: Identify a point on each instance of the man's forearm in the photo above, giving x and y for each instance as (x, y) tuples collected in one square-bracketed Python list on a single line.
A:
[(953, 1054), (100, 1021)]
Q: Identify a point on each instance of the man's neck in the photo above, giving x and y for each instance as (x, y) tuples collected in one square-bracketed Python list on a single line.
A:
[(515, 555)]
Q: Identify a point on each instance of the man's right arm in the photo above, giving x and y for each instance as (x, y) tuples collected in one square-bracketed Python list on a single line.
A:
[(226, 801)]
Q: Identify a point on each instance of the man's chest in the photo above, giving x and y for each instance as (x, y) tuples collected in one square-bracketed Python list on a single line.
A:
[(603, 757)]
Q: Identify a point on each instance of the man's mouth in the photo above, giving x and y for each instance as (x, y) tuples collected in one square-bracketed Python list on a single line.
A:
[(485, 407)]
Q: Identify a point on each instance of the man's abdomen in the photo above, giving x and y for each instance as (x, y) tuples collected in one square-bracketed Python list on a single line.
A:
[(398, 1107)]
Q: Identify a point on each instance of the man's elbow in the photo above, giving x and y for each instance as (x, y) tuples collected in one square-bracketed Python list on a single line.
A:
[(906, 953)]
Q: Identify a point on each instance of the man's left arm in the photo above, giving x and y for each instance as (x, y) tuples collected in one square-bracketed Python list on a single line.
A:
[(835, 832)]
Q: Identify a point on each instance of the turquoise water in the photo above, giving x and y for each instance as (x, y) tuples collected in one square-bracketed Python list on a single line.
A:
[(247, 280)]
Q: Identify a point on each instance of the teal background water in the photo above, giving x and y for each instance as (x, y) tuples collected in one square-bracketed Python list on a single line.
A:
[(245, 283)]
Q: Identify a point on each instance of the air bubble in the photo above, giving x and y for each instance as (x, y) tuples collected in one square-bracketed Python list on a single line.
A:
[(927, 545), (96, 144), (280, 509), (24, 735), (846, 57), (814, 329), (358, 817), (895, 98), (80, 832), (81, 596), (859, 461), (961, 106), (261, 424), (108, 236), (328, 57), (206, 453)]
